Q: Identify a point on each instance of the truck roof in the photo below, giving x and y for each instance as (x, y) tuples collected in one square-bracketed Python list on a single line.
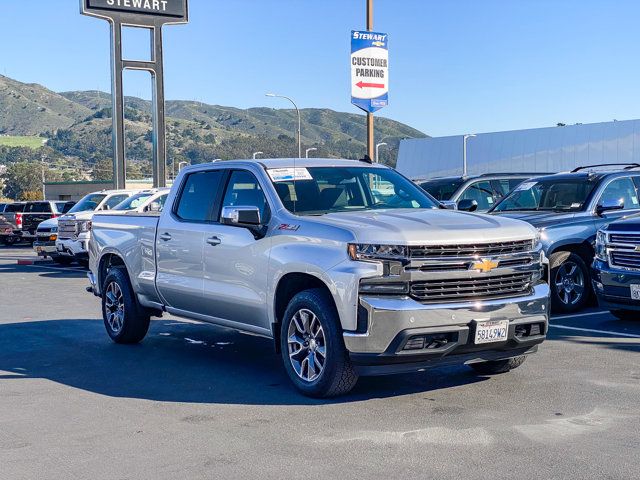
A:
[(298, 162)]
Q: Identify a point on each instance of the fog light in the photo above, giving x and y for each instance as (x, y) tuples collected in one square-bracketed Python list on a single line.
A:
[(415, 343), (384, 288), (598, 285)]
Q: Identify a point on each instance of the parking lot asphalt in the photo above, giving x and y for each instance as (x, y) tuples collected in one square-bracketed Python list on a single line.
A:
[(196, 401)]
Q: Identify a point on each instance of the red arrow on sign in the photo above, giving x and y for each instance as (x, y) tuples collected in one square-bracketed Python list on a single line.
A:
[(370, 85)]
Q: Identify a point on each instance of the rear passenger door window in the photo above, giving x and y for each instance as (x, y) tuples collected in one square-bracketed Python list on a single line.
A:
[(113, 201), (198, 196)]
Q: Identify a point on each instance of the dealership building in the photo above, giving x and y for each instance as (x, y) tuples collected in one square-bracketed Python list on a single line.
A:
[(552, 149)]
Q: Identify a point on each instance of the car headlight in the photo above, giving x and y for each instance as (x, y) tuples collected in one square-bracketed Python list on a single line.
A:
[(601, 246), (84, 226), (364, 251)]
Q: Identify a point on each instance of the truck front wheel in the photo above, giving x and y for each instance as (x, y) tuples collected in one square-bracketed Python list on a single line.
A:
[(125, 320), (498, 366), (312, 347)]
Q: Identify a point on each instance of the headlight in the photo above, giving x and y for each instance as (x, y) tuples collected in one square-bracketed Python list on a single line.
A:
[(84, 226), (601, 246), (363, 251)]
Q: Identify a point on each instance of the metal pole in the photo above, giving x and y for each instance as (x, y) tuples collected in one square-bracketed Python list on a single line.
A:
[(159, 139), (464, 153), (299, 120), (117, 107), (306, 152), (378, 145), (370, 133)]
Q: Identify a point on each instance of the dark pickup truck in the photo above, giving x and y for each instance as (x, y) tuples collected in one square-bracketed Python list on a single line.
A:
[(20, 220), (616, 268)]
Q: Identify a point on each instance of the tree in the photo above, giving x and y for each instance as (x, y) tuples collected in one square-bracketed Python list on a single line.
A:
[(103, 169), (22, 177)]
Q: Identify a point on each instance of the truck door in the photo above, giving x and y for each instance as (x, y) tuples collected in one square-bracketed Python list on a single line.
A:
[(235, 262), (180, 240)]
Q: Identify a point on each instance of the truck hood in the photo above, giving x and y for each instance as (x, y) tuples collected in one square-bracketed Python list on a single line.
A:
[(427, 227), (540, 219), (78, 216), (52, 222)]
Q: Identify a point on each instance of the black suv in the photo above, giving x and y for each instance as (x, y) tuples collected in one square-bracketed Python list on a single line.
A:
[(616, 268), (475, 193), (568, 209)]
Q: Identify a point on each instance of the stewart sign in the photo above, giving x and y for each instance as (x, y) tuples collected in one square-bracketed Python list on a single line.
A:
[(369, 70)]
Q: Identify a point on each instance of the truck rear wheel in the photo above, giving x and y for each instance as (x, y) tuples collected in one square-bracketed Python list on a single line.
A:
[(498, 366), (312, 346), (125, 320)]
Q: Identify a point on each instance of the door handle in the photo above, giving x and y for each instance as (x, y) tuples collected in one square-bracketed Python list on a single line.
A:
[(213, 241), (165, 237)]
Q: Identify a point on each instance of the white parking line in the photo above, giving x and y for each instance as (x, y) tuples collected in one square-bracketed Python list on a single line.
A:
[(576, 315), (589, 330)]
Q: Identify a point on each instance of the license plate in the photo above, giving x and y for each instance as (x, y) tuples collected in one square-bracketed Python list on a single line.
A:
[(491, 331), (635, 291)]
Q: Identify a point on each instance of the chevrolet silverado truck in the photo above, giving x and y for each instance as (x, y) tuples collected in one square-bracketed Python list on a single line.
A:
[(74, 228), (616, 268), (349, 267)]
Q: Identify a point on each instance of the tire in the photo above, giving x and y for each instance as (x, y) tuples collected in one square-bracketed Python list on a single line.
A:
[(498, 366), (570, 282), (125, 320), (627, 315), (61, 260), (312, 319)]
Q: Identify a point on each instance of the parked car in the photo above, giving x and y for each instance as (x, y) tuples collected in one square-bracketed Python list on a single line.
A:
[(11, 223), (151, 200), (616, 268), (74, 228), (345, 282), (36, 212), (568, 209), (473, 193), (45, 243)]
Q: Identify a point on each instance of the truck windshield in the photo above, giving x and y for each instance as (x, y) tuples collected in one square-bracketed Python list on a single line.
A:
[(552, 194), (134, 201), (442, 189), (320, 190), (88, 203)]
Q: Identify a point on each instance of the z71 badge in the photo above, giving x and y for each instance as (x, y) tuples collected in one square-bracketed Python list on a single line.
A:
[(286, 226)]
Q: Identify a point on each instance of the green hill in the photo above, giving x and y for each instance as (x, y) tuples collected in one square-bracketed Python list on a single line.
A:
[(78, 126)]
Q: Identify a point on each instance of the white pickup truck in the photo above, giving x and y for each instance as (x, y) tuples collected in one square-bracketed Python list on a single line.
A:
[(349, 267)]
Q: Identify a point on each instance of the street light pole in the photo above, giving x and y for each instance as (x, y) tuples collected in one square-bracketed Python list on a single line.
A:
[(255, 154), (464, 153), (306, 152), (370, 137), (299, 120), (381, 144)]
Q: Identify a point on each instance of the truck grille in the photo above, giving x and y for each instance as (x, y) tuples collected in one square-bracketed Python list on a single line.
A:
[(67, 229), (625, 259), (481, 287), (470, 250), (625, 238)]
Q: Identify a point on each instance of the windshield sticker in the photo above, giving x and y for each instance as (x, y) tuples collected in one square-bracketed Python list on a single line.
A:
[(524, 186), (634, 200), (576, 205), (288, 174), (490, 200)]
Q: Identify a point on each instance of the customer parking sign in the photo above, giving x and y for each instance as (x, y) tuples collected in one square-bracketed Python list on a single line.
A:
[(369, 70)]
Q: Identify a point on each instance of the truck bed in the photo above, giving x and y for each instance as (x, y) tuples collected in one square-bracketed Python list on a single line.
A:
[(134, 237)]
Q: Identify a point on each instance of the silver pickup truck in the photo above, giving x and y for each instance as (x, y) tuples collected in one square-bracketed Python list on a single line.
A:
[(349, 267)]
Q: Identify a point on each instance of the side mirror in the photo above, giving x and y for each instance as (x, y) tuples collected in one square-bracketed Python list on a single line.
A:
[(241, 216), (609, 205), (153, 207), (449, 204), (467, 205)]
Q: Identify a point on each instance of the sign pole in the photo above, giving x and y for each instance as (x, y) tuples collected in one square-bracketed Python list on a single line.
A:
[(159, 139), (117, 107), (370, 133)]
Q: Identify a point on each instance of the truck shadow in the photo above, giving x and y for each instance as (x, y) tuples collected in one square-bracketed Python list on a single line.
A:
[(46, 271), (180, 362)]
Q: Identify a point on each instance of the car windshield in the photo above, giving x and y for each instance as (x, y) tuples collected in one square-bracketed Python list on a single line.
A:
[(320, 190), (133, 201), (88, 203), (561, 195), (442, 189)]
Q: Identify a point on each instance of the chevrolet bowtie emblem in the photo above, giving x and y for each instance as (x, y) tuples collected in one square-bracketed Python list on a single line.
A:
[(484, 265), (637, 249)]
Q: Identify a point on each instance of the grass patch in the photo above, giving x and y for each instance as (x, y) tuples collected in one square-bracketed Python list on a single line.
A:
[(21, 141)]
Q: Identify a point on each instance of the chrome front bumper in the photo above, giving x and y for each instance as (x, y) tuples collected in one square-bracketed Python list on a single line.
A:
[(389, 318)]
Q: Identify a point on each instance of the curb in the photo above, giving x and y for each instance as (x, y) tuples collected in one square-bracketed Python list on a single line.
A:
[(31, 261)]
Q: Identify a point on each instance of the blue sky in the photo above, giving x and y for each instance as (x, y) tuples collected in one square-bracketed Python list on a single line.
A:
[(456, 66)]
